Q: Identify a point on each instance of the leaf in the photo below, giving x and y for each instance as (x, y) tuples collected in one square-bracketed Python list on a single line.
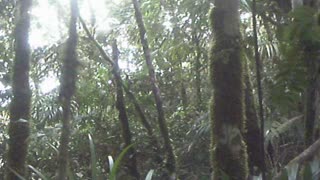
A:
[(111, 162), (314, 166), (93, 159), (37, 172), (54, 148), (292, 171), (22, 121), (116, 165), (149, 175)]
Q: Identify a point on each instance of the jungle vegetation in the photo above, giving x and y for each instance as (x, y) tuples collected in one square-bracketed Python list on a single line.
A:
[(160, 89)]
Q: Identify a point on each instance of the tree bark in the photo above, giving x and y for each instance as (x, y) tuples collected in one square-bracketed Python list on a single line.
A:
[(252, 131), (67, 90), (312, 96), (259, 88), (197, 71), (229, 155), (312, 65), (123, 118), (170, 161), (20, 106)]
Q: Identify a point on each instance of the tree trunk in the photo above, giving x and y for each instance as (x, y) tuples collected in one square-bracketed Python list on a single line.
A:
[(259, 88), (67, 89), (138, 108), (312, 64), (20, 106), (197, 71), (252, 131), (171, 162), (311, 105), (229, 155), (123, 118)]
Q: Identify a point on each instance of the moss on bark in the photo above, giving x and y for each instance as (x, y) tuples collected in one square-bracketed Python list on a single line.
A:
[(228, 151)]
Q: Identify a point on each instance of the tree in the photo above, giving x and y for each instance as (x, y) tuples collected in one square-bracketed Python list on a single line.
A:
[(67, 89), (310, 52), (123, 118), (252, 131), (21, 101), (229, 156), (171, 162)]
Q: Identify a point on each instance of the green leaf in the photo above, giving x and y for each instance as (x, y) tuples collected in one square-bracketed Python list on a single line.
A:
[(54, 148), (111, 162), (149, 175), (94, 171), (43, 177), (117, 163), (292, 171)]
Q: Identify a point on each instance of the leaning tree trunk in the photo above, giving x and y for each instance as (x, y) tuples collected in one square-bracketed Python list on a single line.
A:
[(123, 118), (227, 107), (171, 162), (20, 105), (67, 89)]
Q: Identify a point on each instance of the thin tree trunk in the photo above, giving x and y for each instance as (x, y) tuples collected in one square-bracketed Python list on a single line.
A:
[(197, 70), (154, 141), (259, 86), (171, 162), (20, 106), (310, 101), (138, 108), (123, 118), (252, 132), (229, 155), (67, 90), (312, 64)]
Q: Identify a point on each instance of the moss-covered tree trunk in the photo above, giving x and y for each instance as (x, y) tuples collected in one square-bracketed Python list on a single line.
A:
[(123, 118), (20, 105), (67, 89), (227, 107), (170, 157)]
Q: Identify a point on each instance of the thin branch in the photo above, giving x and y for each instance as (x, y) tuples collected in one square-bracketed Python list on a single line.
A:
[(102, 52)]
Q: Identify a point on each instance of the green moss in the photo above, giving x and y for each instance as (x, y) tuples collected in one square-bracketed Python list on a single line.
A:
[(228, 150)]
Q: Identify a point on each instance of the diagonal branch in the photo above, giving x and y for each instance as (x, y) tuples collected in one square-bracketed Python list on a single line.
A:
[(102, 52)]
